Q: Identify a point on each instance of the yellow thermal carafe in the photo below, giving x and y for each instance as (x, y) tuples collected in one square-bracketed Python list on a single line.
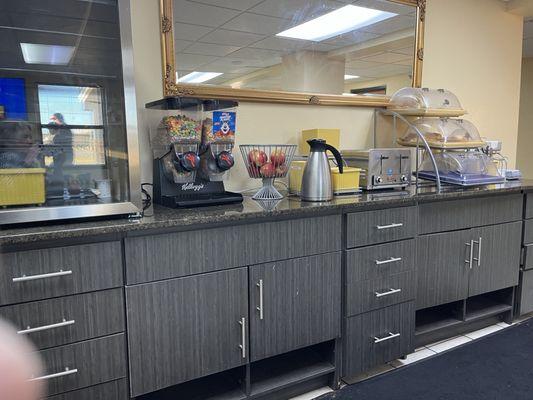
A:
[(331, 136), (20, 186), (347, 182), (296, 172)]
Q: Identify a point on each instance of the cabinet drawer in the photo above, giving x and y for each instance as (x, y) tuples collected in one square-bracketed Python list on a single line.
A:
[(526, 292), (378, 337), (372, 294), (529, 205), (116, 390), (528, 231), (150, 258), (370, 227), (459, 214), (41, 274), (378, 261), (64, 320), (84, 364)]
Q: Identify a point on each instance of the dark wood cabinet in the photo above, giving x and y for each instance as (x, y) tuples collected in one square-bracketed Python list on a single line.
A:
[(442, 268), (186, 328), (377, 337), (496, 259), (294, 303)]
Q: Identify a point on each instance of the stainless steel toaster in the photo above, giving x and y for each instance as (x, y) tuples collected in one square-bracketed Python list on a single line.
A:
[(382, 168)]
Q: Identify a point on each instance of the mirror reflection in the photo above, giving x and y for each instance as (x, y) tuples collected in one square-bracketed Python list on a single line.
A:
[(316, 46)]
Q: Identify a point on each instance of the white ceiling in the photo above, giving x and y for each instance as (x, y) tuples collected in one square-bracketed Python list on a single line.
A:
[(237, 37), (527, 50)]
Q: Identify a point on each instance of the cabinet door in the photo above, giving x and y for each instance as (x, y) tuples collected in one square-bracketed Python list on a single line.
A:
[(186, 328), (294, 303), (442, 268), (496, 257)]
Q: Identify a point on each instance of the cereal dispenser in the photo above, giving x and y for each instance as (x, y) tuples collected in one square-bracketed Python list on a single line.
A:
[(192, 147)]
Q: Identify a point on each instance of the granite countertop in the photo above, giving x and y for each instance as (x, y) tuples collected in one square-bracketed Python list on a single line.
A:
[(158, 217)]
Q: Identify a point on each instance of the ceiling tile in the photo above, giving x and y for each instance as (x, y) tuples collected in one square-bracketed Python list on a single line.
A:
[(349, 38), (201, 14), (408, 51), (281, 44), (231, 38), (192, 61), (221, 65), (180, 45), (209, 49), (189, 32), (258, 54), (385, 5), (297, 11), (236, 63), (386, 57), (262, 24), (361, 64), (240, 5), (383, 70), (392, 25), (408, 61)]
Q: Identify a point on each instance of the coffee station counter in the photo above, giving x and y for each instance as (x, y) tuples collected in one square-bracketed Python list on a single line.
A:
[(161, 218)]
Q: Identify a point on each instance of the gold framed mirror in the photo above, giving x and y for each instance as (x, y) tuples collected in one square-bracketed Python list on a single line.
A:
[(264, 55)]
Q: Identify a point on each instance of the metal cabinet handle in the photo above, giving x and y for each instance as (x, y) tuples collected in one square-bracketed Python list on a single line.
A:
[(25, 278), (390, 226), (260, 307), (469, 261), (66, 372), (242, 346), (388, 337), (388, 261), (478, 259), (46, 327), (388, 293)]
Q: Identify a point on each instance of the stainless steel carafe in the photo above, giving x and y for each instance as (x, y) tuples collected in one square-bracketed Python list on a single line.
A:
[(316, 180)]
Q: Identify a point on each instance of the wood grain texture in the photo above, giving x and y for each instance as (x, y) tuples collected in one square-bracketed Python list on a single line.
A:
[(165, 256), (361, 263), (362, 226), (525, 297), (94, 267), (360, 351), (500, 258), (185, 328), (529, 205), (301, 301), (528, 231), (115, 390), (459, 214), (442, 274), (95, 314), (361, 296), (98, 361)]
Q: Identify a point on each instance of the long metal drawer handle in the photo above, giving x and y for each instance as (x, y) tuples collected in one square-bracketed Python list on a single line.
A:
[(390, 260), (260, 307), (25, 278), (388, 293), (47, 327), (390, 226), (242, 346), (388, 337), (478, 259), (66, 372), (469, 261)]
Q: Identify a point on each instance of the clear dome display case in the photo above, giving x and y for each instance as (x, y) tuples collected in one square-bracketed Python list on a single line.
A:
[(443, 133), (465, 168), (426, 102)]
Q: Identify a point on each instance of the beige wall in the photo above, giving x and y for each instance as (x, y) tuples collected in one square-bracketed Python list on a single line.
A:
[(474, 49), (524, 157)]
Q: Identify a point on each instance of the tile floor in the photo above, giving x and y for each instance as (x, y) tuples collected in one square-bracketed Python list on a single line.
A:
[(419, 354)]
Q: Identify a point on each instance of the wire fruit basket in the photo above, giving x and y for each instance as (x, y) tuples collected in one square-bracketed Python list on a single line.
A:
[(267, 162)]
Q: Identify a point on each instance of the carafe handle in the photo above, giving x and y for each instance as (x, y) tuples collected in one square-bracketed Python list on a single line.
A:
[(337, 155)]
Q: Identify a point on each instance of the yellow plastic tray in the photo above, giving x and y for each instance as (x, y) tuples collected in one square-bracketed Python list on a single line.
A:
[(22, 186)]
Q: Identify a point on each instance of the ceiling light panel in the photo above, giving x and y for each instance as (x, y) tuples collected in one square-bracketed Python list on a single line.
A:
[(334, 23), (34, 53), (198, 77)]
